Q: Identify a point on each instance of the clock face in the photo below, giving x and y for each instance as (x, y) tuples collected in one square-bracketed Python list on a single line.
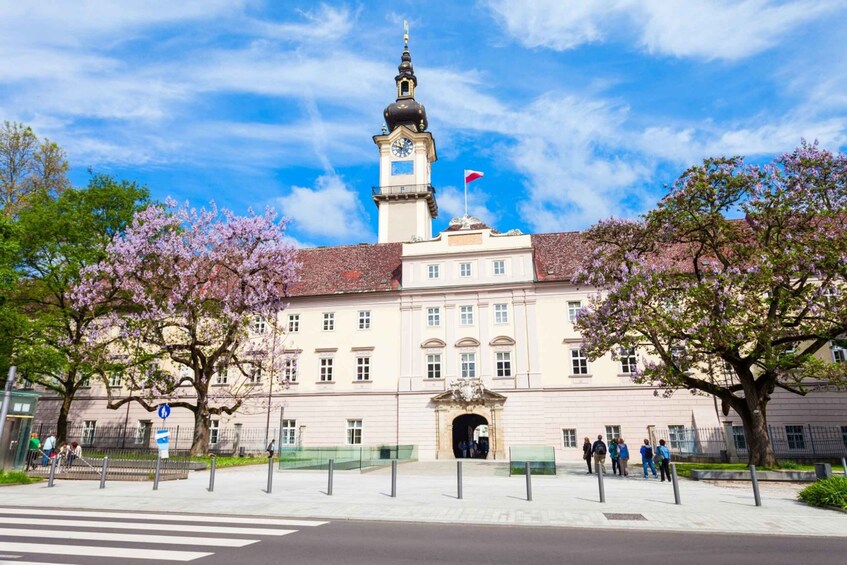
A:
[(402, 147)]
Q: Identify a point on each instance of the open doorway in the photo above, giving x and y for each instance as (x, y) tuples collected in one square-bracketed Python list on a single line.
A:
[(470, 437)]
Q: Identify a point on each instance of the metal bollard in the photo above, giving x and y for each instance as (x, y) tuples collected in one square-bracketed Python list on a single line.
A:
[(104, 471), (270, 474), (52, 471), (755, 481), (459, 479), (600, 482), (394, 478), (844, 464), (330, 469), (156, 475), (676, 498), (528, 472), (212, 474)]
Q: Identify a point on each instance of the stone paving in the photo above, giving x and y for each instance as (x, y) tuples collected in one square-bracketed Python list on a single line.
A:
[(426, 492)]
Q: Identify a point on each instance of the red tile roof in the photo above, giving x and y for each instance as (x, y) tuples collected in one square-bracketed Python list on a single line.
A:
[(557, 256), (348, 268)]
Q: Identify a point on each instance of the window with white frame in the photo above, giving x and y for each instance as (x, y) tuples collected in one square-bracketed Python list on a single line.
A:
[(433, 366), (676, 435), (184, 372), (433, 317), (329, 321), (84, 381), (142, 432), (289, 370), (354, 432), (579, 362), (628, 360), (293, 323), (499, 266), (839, 352), (115, 378), (364, 319), (214, 431), (501, 313), (738, 437), (326, 369), (612, 432), (466, 315), (433, 271), (254, 375), (467, 364), (363, 368), (574, 306), (258, 325), (464, 269), (289, 432), (503, 361), (221, 376), (568, 437), (796, 436), (89, 429)]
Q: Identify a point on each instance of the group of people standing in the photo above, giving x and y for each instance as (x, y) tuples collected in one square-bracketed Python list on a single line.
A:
[(473, 448), (618, 452), (47, 450)]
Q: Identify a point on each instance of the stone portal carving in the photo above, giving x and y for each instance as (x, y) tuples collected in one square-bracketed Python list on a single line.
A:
[(468, 396)]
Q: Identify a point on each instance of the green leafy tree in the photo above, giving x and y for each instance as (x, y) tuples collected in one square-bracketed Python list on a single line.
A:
[(58, 238), (730, 308), (9, 320)]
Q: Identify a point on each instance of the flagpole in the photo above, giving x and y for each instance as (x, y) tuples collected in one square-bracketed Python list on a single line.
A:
[(465, 177)]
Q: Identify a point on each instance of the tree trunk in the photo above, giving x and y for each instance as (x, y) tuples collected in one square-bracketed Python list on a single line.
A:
[(752, 409), (202, 422), (62, 421)]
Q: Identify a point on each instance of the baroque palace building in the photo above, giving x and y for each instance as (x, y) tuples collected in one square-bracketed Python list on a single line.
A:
[(429, 341)]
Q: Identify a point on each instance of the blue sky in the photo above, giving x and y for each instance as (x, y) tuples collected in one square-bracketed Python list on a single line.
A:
[(575, 111)]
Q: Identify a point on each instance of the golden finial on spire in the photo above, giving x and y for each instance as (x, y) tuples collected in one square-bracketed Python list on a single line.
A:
[(405, 34)]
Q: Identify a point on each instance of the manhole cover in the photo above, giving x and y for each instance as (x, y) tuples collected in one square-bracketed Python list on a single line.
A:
[(610, 516)]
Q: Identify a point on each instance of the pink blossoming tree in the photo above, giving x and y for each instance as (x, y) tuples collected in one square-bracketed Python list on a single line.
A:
[(730, 308), (202, 291)]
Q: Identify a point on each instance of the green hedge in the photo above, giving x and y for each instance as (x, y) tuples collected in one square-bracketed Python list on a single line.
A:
[(826, 492)]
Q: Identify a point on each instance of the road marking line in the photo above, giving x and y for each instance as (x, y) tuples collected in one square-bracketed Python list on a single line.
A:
[(29, 562), (94, 551), (169, 517), (134, 538), (144, 526)]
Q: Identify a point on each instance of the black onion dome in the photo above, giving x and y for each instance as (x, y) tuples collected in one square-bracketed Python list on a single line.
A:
[(406, 110)]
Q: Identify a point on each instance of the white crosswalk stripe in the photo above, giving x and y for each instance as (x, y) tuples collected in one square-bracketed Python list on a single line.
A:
[(58, 532)]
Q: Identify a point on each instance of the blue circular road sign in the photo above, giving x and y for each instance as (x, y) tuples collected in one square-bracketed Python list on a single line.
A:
[(164, 411)]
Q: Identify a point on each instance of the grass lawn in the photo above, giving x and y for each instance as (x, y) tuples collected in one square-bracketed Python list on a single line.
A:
[(222, 461), (684, 469), (17, 478)]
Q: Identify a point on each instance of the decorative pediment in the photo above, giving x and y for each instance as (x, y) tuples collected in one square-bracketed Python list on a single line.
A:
[(467, 342), (468, 392), (502, 340), (433, 344)]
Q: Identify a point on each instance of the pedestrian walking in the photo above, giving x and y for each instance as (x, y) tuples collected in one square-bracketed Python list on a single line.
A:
[(623, 455), (647, 459), (34, 448), (271, 448), (599, 450), (614, 455), (586, 452), (47, 449), (664, 455)]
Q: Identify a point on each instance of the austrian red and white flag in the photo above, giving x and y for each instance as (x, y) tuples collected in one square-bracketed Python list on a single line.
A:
[(472, 175)]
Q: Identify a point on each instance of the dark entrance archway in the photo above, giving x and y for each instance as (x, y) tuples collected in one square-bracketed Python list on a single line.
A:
[(464, 427)]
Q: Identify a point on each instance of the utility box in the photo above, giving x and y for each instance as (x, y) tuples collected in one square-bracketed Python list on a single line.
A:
[(15, 441), (823, 471)]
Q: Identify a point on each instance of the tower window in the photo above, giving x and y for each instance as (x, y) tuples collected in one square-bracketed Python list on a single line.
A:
[(404, 88)]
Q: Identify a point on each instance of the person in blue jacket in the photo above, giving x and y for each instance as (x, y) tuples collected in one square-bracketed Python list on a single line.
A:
[(623, 457), (664, 455), (647, 458)]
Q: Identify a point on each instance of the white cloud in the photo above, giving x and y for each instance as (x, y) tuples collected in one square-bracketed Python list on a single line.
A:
[(451, 204), (331, 210)]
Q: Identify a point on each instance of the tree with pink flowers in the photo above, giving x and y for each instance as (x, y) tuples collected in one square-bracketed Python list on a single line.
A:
[(201, 293), (734, 308)]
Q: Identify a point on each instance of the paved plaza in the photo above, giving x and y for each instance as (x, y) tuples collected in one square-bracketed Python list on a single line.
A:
[(426, 492)]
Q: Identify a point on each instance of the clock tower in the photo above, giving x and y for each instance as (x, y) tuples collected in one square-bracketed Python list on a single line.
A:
[(405, 197)]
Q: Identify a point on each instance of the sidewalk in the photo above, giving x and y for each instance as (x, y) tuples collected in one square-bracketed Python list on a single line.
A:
[(426, 492)]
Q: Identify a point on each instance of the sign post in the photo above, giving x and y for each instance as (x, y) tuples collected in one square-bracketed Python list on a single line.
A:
[(162, 435)]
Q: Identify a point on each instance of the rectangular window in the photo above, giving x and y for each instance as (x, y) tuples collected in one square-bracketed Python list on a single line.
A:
[(739, 438), (115, 378), (796, 436), (84, 381), (504, 363), (466, 315), (839, 354), (579, 362), (289, 370), (676, 435), (433, 271), (363, 368), (433, 317), (844, 435), (354, 432), (221, 377), (258, 326), (364, 319), (26, 384), (254, 375), (612, 432), (329, 321), (464, 269), (574, 306), (468, 365), (142, 432), (433, 366), (568, 437), (628, 360), (326, 369), (499, 267), (501, 313), (89, 429), (289, 430), (293, 323), (214, 431)]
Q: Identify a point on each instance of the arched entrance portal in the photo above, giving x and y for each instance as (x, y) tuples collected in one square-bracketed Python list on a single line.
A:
[(470, 436)]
